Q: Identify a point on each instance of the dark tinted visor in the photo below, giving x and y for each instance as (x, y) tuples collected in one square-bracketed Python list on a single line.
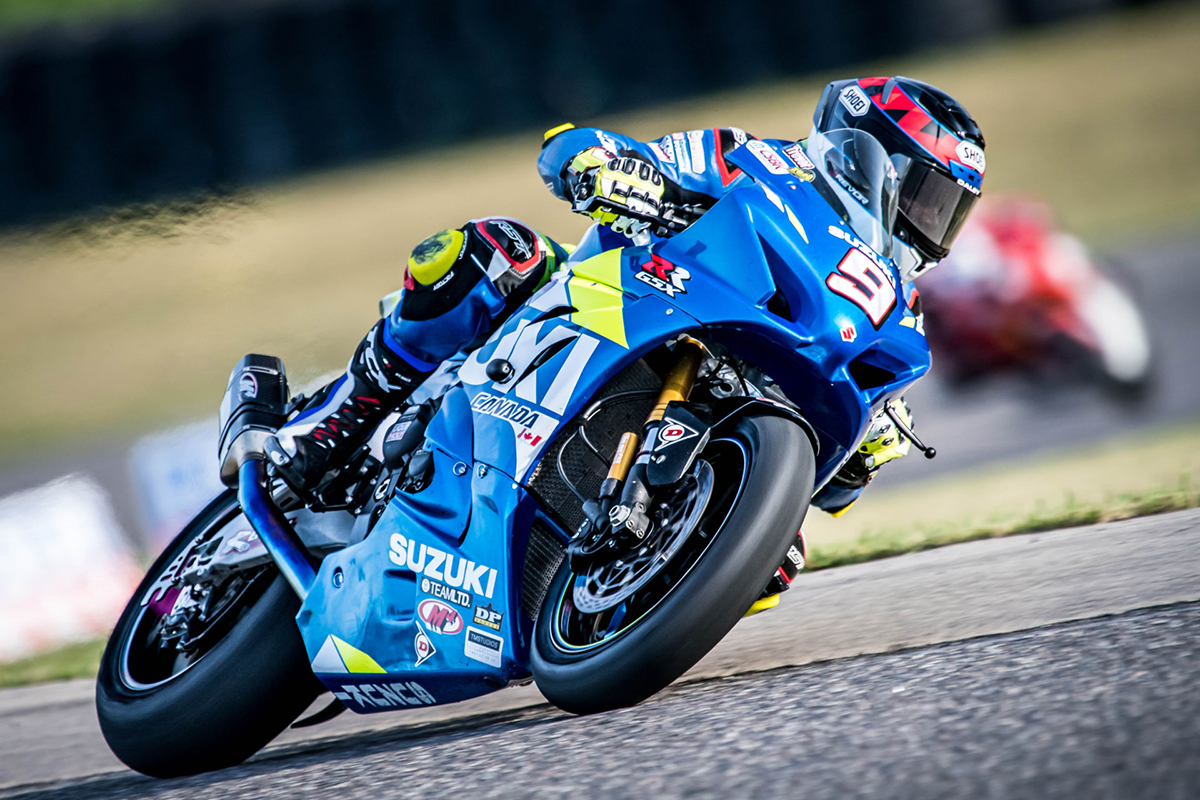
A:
[(934, 204)]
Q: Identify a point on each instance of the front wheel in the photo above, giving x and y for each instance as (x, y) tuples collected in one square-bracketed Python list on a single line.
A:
[(762, 478), (178, 696)]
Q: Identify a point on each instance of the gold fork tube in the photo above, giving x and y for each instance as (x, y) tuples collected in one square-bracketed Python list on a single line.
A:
[(678, 384), (622, 460)]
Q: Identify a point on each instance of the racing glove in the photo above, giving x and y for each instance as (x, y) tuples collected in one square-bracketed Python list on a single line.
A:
[(883, 443), (624, 193)]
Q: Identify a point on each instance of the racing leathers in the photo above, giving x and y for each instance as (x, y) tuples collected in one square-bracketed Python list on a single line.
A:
[(461, 284)]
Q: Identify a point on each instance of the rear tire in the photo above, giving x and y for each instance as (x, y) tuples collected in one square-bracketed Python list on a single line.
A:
[(707, 601), (226, 706)]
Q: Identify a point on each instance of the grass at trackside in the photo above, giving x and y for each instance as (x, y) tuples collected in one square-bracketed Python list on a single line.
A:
[(1080, 487), (125, 328), (80, 660), (898, 541), (1156, 472)]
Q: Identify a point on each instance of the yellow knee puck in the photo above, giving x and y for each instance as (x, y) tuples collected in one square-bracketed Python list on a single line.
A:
[(433, 258)]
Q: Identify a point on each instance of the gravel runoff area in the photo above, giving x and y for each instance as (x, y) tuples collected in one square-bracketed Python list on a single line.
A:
[(1101, 708)]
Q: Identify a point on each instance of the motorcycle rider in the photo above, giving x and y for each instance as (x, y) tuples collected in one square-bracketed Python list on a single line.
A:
[(461, 284)]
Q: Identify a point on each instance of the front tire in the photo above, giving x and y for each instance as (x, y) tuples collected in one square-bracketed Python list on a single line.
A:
[(714, 586), (235, 697)]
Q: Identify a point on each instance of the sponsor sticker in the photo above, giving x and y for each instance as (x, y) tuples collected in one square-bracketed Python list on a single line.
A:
[(664, 149), (366, 696), (768, 157), (440, 617), (696, 146), (438, 565), (681, 152), (483, 646), (660, 274), (522, 416), (971, 155), (797, 156), (673, 431), (398, 430), (423, 645), (488, 617), (855, 100), (443, 592), (849, 332)]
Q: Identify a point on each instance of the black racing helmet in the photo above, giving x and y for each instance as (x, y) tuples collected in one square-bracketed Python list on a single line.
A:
[(935, 145)]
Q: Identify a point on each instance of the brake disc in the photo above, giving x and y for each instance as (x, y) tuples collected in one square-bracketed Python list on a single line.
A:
[(605, 586)]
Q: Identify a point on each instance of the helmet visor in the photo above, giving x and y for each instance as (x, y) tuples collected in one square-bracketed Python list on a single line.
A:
[(935, 207)]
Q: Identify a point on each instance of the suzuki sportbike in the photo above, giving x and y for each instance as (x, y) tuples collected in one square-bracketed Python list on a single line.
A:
[(591, 499)]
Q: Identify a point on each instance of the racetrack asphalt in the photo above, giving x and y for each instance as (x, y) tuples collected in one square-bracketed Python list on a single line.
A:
[(1059, 664)]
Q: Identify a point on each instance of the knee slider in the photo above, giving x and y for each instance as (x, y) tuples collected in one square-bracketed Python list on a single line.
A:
[(434, 257)]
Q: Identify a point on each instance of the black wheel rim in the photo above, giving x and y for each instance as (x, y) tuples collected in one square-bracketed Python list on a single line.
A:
[(575, 632), (145, 662)]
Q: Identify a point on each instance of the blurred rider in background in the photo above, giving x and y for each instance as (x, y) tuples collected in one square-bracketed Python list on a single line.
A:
[(461, 283)]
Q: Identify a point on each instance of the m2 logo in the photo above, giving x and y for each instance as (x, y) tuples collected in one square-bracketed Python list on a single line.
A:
[(660, 274), (861, 281), (439, 617)]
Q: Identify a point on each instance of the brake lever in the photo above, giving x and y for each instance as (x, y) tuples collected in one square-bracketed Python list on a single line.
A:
[(676, 218), (925, 449)]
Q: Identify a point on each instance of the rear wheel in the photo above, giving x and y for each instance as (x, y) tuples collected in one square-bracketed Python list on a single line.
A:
[(175, 702), (762, 470)]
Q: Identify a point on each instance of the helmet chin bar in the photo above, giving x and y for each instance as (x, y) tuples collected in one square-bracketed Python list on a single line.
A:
[(909, 260)]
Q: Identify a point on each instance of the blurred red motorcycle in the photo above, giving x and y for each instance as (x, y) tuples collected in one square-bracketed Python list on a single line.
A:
[(1018, 295)]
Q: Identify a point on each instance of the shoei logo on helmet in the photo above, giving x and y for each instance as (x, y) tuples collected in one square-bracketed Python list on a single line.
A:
[(855, 100), (971, 155)]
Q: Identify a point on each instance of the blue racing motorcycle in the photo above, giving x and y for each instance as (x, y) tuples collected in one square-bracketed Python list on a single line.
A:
[(592, 499)]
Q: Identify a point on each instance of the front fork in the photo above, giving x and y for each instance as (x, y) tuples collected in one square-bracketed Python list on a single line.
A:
[(625, 494)]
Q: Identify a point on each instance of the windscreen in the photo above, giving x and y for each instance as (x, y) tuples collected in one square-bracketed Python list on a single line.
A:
[(857, 168)]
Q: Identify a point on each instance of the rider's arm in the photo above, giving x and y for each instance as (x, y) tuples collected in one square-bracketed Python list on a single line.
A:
[(692, 163)]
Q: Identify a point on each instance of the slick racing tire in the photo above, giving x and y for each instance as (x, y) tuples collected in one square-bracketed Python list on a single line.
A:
[(164, 717), (763, 470)]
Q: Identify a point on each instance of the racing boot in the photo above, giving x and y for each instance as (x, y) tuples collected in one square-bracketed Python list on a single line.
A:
[(312, 450), (883, 443), (781, 581)]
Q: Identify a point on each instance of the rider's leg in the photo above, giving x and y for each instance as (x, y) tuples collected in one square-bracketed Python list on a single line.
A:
[(459, 285)]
